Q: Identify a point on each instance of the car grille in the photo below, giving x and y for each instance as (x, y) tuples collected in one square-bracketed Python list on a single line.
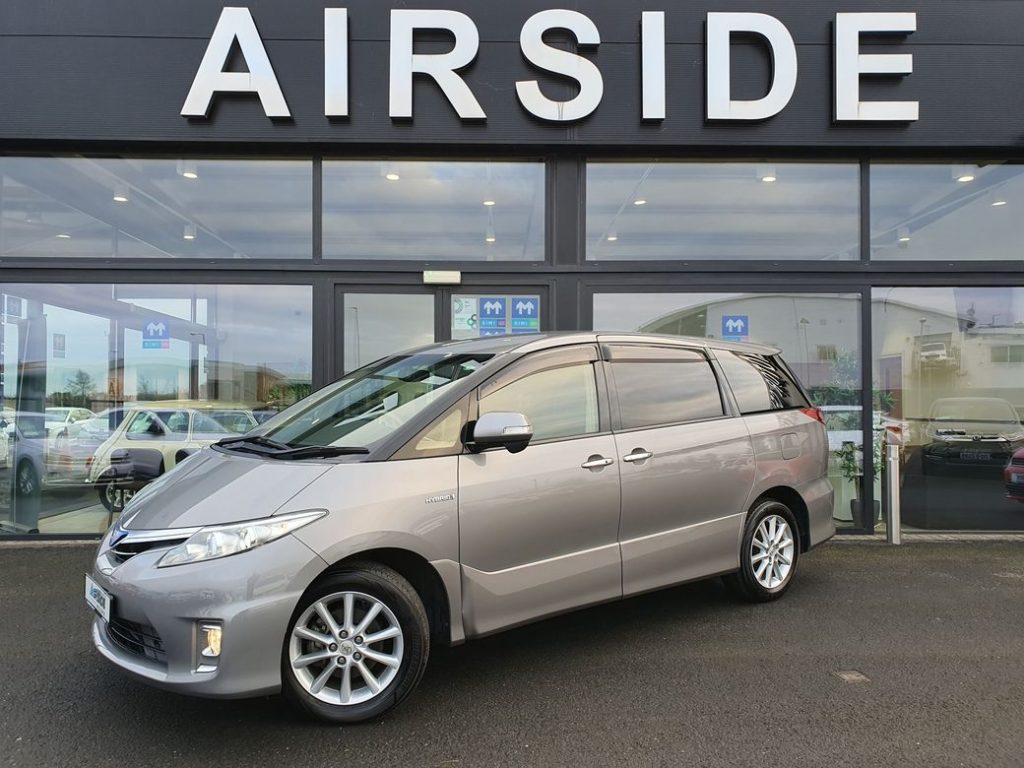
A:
[(137, 639), (128, 549), (1017, 461)]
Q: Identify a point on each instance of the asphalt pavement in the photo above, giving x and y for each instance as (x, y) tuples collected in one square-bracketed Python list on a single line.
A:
[(684, 677)]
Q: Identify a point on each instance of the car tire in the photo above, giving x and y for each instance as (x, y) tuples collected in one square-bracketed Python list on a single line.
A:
[(768, 554), (319, 691), (114, 499), (26, 480)]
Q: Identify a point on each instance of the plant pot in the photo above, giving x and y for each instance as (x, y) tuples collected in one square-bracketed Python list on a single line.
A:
[(863, 520)]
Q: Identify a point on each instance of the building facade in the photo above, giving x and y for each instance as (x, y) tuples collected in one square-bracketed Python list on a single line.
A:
[(207, 212)]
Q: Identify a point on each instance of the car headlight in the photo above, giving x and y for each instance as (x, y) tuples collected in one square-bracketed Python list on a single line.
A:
[(224, 540)]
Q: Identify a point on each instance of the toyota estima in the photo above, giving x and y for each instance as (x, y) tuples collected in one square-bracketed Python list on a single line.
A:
[(454, 491)]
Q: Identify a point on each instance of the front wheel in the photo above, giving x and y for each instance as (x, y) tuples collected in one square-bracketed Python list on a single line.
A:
[(357, 644), (768, 555)]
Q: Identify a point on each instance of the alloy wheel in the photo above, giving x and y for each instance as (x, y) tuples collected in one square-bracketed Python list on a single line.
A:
[(346, 648), (26, 480), (771, 552)]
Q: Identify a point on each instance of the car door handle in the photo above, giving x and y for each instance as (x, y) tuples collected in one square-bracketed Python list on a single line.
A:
[(596, 462), (638, 455)]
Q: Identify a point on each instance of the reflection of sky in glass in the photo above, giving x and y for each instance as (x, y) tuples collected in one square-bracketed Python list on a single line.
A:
[(722, 211), (434, 210), (266, 327), (923, 212)]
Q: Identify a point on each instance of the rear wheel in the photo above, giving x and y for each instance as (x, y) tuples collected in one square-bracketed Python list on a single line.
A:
[(357, 644), (768, 555), (27, 479), (114, 499)]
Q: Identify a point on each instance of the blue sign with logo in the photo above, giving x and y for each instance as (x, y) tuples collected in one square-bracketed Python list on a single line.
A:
[(156, 335), (492, 314), (525, 314), (735, 327)]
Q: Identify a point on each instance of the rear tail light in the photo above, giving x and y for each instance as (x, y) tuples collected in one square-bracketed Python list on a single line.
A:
[(814, 413)]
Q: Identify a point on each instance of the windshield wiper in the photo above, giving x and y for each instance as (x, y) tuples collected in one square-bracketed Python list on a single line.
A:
[(258, 440), (318, 452)]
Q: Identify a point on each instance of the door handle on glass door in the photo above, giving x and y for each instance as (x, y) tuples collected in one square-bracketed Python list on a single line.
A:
[(638, 455), (596, 462)]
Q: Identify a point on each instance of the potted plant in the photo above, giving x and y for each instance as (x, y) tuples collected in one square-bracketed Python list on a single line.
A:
[(851, 464)]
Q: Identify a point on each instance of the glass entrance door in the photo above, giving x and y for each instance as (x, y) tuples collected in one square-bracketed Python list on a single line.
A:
[(375, 320)]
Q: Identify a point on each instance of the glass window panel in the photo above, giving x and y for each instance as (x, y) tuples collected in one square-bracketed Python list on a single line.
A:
[(433, 210), (155, 208), (797, 323), (723, 211), (946, 371), (156, 371), (947, 212), (558, 403), (380, 324), (666, 392)]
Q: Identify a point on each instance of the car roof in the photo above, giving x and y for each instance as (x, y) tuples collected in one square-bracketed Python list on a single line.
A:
[(532, 342)]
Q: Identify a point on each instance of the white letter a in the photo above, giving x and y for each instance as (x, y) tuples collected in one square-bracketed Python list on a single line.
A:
[(235, 24)]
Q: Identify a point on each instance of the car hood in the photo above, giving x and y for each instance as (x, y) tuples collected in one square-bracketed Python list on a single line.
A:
[(213, 488)]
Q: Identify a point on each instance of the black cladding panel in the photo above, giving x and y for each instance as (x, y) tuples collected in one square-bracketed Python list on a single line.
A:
[(119, 71)]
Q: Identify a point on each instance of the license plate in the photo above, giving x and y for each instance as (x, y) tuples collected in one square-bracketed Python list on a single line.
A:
[(98, 598), (1017, 478), (975, 455)]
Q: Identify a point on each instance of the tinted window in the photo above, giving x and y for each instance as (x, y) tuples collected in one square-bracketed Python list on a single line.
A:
[(561, 402), (666, 392), (760, 383)]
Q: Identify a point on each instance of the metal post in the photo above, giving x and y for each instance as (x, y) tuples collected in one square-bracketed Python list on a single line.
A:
[(892, 493)]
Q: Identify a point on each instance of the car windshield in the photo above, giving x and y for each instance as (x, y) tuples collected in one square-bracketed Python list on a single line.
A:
[(980, 410), (371, 403)]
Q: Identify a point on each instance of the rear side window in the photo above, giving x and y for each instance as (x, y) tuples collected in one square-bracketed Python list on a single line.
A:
[(760, 383), (668, 391)]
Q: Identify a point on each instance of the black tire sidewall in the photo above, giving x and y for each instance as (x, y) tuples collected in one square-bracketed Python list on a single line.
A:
[(403, 602), (760, 511)]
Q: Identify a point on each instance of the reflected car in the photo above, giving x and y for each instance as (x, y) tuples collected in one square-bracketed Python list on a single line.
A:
[(1014, 477), (24, 449), (153, 438), (452, 492), (843, 425), (971, 433), (66, 422)]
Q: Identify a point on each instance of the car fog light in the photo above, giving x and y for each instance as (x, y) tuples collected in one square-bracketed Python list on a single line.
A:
[(209, 640)]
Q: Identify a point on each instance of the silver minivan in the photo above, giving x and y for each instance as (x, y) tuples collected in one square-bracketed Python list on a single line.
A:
[(454, 491)]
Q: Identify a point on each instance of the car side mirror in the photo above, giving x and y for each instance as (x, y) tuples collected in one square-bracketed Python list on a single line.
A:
[(509, 430)]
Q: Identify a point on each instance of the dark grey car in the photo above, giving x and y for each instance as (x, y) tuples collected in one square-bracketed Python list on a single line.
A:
[(454, 491)]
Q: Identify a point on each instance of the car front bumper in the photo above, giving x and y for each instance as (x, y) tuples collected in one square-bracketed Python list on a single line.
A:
[(156, 613)]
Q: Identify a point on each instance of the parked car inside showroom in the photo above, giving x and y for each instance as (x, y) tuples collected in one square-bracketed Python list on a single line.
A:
[(971, 433), (152, 438), (452, 492)]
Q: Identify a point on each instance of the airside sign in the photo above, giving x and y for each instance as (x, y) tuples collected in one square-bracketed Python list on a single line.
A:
[(850, 63)]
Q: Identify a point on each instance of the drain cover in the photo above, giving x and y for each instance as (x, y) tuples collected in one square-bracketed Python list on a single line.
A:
[(852, 676)]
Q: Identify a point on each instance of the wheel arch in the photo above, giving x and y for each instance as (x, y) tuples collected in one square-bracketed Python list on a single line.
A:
[(423, 577), (792, 499)]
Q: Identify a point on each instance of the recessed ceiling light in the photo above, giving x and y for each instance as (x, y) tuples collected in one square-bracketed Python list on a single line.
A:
[(766, 173), (965, 178), (640, 201), (392, 176), (489, 203), (490, 238), (769, 179), (903, 235), (121, 193), (998, 203), (187, 169), (190, 232), (612, 237), (63, 236)]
